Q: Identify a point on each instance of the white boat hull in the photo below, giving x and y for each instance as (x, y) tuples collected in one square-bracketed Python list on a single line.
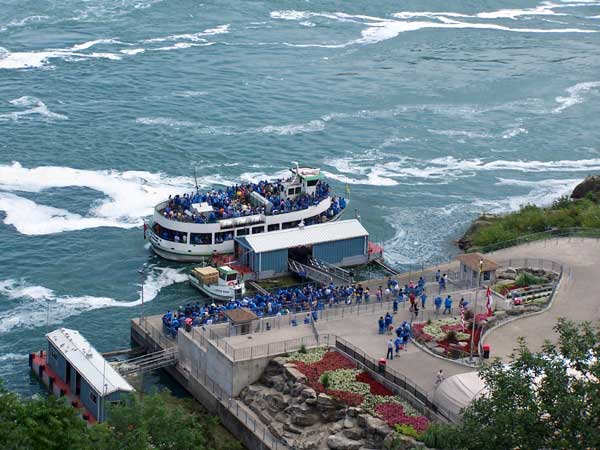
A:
[(184, 252), (219, 292)]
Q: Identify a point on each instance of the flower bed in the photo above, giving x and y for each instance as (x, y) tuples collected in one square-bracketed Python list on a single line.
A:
[(353, 387), (437, 331)]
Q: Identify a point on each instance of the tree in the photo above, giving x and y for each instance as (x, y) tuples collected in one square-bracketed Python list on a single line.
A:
[(549, 399), (158, 422)]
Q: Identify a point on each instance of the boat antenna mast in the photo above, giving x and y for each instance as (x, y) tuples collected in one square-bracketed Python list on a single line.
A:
[(196, 182)]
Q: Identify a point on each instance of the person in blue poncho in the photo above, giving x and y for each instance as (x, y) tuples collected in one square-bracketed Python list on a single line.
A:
[(381, 323), (448, 305), (423, 300)]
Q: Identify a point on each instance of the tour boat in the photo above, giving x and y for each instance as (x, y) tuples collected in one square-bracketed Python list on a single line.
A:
[(221, 283), (196, 226)]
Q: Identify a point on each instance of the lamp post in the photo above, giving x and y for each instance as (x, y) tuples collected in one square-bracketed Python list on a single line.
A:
[(475, 309)]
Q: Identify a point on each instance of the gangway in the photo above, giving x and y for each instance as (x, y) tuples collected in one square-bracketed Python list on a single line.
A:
[(337, 272), (386, 267), (315, 273), (151, 361), (257, 287)]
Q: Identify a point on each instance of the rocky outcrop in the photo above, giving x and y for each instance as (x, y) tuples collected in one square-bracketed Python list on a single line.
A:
[(308, 420), (465, 241), (591, 185)]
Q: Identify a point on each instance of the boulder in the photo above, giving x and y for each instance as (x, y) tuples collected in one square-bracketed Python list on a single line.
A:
[(349, 422), (302, 415), (276, 401), (325, 401), (249, 393), (353, 433), (439, 350), (292, 428), (294, 375), (397, 441), (308, 392), (507, 273), (353, 411), (340, 442)]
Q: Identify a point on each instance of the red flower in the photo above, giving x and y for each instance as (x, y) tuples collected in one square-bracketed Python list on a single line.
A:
[(348, 398), (376, 387), (393, 414)]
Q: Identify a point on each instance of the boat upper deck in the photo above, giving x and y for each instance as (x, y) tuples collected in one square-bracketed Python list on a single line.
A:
[(241, 200)]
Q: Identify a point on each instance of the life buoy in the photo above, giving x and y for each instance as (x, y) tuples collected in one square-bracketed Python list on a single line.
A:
[(231, 283)]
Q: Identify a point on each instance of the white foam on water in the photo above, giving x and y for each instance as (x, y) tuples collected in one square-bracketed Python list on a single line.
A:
[(34, 107), (576, 95), (463, 133), (378, 170), (541, 193), (292, 129), (35, 59), (131, 196), (381, 29), (13, 357), (306, 23), (35, 301), (133, 51), (508, 134), (26, 21), (282, 130), (193, 37)]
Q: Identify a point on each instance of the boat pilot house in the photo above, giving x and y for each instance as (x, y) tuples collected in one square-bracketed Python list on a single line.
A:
[(340, 243), (87, 376), (477, 269)]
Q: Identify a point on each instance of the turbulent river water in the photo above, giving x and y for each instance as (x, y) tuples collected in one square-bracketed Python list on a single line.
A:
[(431, 111)]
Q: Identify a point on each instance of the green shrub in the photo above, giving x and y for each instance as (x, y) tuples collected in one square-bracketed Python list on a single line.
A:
[(407, 430), (302, 349), (527, 279), (325, 381), (439, 436)]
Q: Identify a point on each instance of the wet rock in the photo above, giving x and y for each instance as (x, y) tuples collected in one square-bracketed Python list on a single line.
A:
[(340, 442), (325, 401), (292, 428)]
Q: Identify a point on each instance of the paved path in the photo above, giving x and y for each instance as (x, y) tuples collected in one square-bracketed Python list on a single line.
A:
[(577, 298)]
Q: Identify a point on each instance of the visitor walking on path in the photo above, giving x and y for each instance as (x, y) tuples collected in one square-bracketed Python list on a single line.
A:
[(395, 305), (390, 350), (440, 377), (438, 304), (442, 283), (381, 325), (448, 305), (438, 275), (423, 300)]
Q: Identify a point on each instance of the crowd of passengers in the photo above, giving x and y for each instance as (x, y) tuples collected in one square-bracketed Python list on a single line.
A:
[(337, 205), (309, 299), (235, 201)]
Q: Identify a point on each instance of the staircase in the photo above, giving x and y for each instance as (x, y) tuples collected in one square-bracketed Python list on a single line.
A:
[(319, 272), (151, 361)]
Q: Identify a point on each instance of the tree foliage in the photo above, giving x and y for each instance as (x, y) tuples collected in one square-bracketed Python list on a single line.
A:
[(157, 422), (548, 399)]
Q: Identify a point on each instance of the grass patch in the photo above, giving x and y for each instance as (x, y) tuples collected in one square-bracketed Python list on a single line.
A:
[(530, 219)]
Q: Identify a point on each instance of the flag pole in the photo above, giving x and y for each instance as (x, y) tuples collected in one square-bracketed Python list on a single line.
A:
[(475, 310)]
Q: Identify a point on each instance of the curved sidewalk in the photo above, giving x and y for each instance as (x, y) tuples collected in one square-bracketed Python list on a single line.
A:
[(577, 297)]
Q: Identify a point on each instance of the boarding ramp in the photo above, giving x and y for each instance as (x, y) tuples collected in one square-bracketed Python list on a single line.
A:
[(316, 274), (151, 361), (381, 263), (337, 272), (257, 287)]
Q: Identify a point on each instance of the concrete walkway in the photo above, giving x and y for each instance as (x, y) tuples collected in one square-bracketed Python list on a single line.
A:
[(577, 297)]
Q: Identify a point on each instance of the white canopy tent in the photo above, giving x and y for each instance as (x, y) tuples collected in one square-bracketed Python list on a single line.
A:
[(455, 393)]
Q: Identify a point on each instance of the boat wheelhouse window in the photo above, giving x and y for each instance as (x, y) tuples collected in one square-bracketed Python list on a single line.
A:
[(312, 183), (229, 277), (288, 225), (201, 239), (274, 227), (223, 237), (243, 232), (93, 397), (298, 190), (291, 191), (257, 230)]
